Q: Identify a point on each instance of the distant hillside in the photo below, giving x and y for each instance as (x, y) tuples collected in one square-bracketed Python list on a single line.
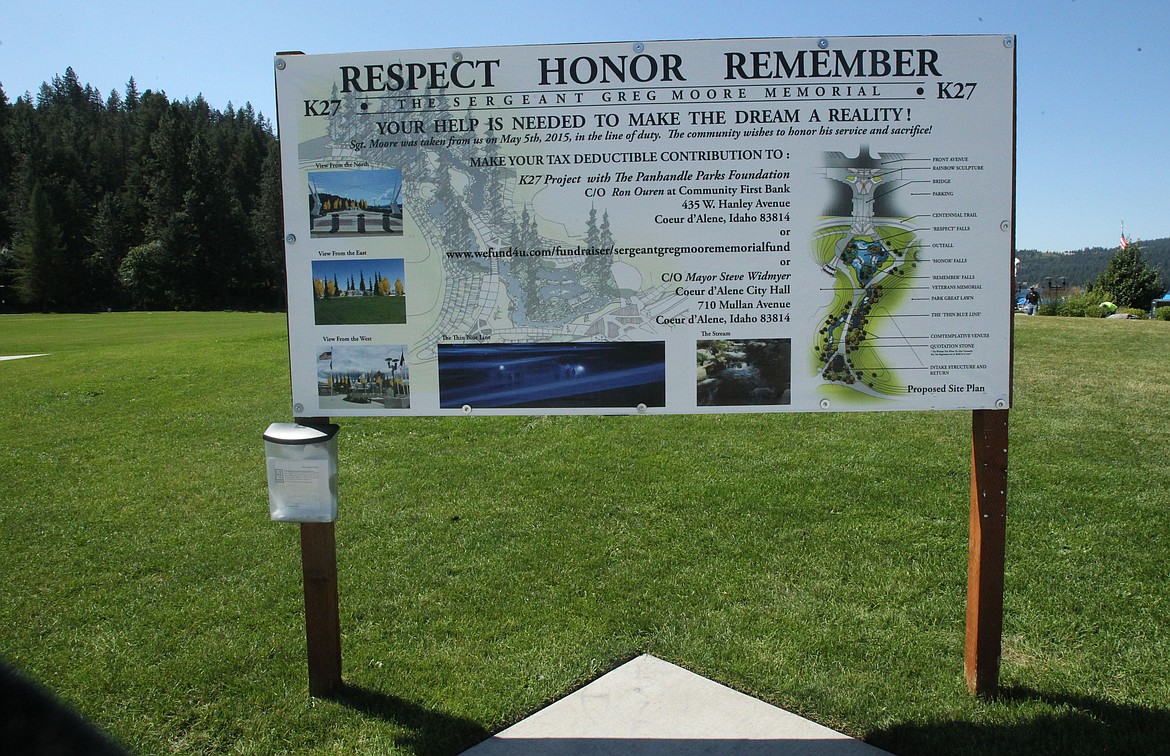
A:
[(1084, 265)]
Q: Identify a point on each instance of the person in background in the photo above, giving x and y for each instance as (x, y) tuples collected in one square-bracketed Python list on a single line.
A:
[(1032, 298)]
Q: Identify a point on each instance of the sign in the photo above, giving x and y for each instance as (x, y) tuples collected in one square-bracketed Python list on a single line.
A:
[(661, 227)]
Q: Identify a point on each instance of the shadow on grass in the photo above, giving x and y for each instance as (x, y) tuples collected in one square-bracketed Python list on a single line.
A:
[(1047, 723), (431, 733), (33, 722)]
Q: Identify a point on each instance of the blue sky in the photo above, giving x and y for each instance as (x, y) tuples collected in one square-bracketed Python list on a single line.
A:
[(375, 187), (1093, 84)]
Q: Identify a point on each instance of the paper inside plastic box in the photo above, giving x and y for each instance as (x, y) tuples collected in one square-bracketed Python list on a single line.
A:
[(302, 472)]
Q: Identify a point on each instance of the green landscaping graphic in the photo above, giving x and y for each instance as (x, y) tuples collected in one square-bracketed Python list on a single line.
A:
[(870, 251), (359, 291), (364, 202)]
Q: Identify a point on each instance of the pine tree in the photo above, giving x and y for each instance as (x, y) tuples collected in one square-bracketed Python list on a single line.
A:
[(205, 236), (596, 271), (267, 224), (109, 241), (165, 165), (494, 190), (591, 234), (1129, 278), (132, 96), (7, 168), (40, 256)]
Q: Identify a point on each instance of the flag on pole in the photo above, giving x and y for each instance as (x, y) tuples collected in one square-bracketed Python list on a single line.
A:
[(1124, 242)]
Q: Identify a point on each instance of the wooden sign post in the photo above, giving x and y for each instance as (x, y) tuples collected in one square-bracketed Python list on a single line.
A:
[(322, 618), (985, 566)]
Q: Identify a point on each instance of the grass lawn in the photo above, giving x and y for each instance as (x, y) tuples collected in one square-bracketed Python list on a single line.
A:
[(490, 565), (352, 310)]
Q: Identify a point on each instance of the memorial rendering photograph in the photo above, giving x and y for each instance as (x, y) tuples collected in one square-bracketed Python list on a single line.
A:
[(367, 375), (359, 291), (355, 202)]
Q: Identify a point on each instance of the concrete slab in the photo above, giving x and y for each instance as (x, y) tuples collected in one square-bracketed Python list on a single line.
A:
[(649, 707)]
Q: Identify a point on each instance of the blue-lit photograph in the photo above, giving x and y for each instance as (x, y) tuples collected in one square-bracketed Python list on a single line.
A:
[(559, 375)]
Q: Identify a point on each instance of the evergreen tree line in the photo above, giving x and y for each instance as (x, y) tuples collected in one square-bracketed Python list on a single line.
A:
[(136, 201), (1082, 267)]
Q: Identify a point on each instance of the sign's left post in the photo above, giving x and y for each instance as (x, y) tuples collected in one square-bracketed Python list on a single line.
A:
[(302, 488), (318, 543), (322, 620)]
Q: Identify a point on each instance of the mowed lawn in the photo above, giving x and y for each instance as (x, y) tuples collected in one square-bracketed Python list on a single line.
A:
[(490, 565), (353, 310)]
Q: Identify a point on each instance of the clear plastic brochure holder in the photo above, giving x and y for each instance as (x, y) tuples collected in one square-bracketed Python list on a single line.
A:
[(302, 472)]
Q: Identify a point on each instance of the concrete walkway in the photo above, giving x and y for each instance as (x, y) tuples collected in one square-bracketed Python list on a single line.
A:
[(649, 707)]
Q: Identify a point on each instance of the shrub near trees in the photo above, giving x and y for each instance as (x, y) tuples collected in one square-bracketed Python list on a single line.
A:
[(137, 201), (1127, 281)]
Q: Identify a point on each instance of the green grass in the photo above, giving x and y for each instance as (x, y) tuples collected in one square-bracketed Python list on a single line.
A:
[(355, 310), (488, 566)]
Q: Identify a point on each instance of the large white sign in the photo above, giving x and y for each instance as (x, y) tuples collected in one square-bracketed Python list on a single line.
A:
[(697, 226)]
